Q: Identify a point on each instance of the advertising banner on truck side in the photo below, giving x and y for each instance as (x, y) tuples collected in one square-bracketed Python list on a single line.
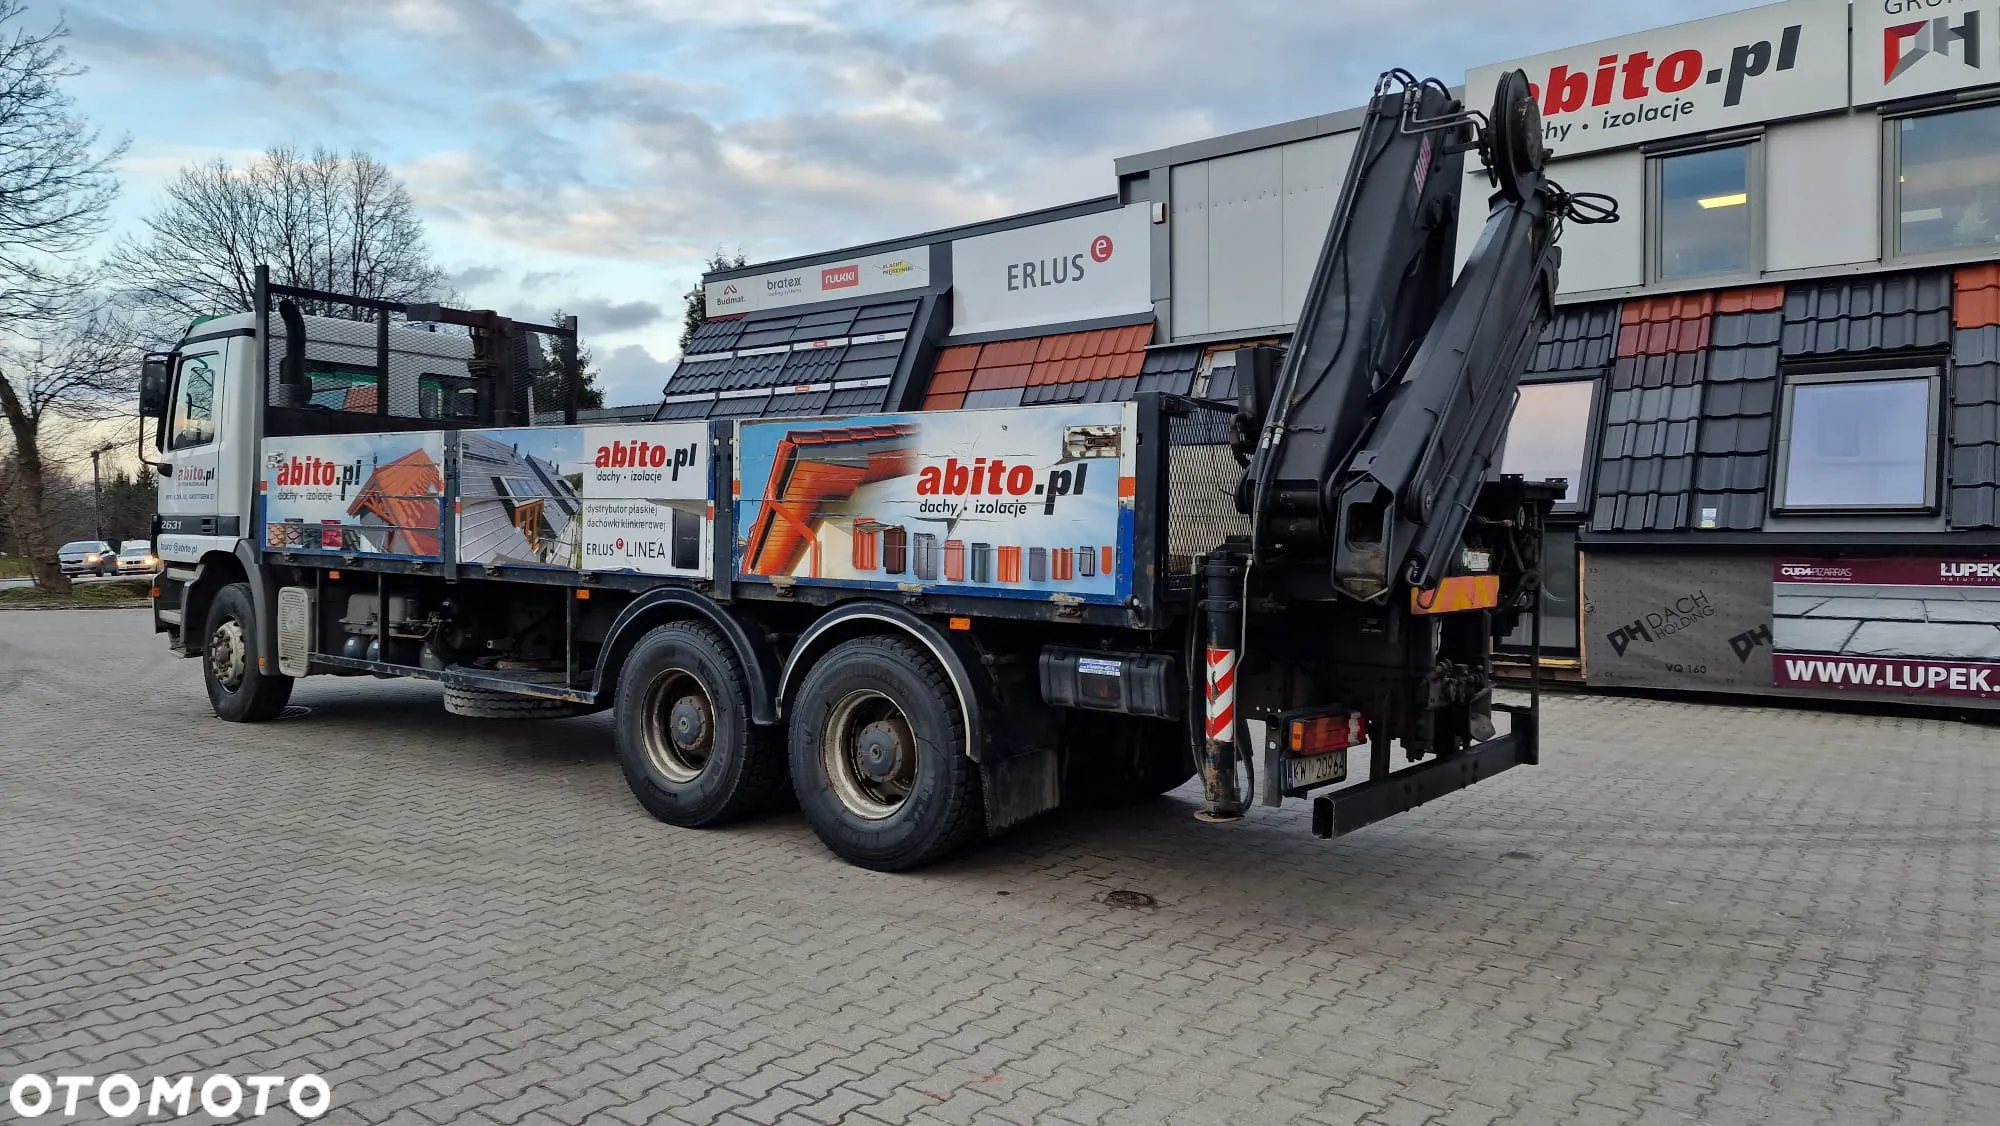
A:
[(354, 494), (1034, 503), (587, 498), (1920, 627)]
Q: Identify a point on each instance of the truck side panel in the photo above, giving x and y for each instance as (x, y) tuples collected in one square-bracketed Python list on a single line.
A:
[(1022, 503)]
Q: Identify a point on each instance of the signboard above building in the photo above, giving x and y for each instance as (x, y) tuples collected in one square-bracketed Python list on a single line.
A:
[(1906, 48), (1080, 269), (1765, 64), (831, 280)]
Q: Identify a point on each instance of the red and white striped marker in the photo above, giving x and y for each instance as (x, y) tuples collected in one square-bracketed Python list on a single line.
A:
[(1222, 695)]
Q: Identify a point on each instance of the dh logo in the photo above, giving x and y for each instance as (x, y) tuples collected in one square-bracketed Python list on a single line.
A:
[(1905, 43), (1746, 643)]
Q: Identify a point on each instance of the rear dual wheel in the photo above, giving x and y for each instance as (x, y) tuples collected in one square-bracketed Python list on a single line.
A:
[(878, 756), (685, 741)]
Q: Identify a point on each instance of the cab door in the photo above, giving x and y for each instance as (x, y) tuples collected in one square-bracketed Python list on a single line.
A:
[(202, 497)]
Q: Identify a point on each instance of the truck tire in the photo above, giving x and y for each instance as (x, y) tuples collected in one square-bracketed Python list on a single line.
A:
[(239, 689), (487, 703), (685, 740), (878, 757)]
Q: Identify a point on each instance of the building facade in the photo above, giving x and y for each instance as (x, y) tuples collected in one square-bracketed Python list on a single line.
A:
[(1773, 386)]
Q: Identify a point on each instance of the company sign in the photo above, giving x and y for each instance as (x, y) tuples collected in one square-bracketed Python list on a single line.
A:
[(1069, 270), (1765, 64), (1904, 48), (1905, 627), (824, 281)]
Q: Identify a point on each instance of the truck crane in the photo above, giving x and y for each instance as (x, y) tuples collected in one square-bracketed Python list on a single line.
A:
[(929, 626)]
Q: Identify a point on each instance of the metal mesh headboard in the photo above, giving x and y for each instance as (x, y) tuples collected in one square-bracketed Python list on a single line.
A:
[(1201, 481)]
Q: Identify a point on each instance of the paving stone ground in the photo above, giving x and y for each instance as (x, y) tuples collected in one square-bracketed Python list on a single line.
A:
[(1687, 914)]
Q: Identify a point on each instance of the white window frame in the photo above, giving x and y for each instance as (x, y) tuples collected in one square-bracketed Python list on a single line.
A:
[(1781, 449), (1753, 180), (1892, 188)]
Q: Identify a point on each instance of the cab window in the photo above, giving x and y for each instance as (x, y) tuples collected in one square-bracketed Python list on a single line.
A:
[(194, 403)]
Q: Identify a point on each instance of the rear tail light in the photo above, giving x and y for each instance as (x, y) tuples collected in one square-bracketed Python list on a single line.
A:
[(1322, 734)]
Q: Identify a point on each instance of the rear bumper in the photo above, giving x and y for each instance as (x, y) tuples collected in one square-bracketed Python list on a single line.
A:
[(1343, 811)]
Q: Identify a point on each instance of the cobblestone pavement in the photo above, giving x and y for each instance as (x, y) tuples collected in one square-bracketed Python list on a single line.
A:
[(1688, 914)]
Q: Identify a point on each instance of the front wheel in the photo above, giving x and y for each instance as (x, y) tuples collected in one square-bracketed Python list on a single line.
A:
[(878, 757), (239, 689)]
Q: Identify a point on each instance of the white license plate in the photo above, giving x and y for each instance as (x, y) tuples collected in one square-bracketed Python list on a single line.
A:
[(1315, 769)]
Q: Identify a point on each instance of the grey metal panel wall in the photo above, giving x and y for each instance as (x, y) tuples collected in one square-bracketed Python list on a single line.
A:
[(1878, 314), (1189, 186), (1246, 240), (1247, 229), (1975, 430), (1822, 181), (1738, 403)]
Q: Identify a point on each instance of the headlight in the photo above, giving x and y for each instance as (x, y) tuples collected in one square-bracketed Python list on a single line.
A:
[(91, 558)]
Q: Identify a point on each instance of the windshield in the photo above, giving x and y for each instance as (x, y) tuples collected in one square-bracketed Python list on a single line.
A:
[(137, 549), (85, 545)]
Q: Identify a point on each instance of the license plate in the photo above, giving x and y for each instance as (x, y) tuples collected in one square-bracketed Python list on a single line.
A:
[(1315, 770)]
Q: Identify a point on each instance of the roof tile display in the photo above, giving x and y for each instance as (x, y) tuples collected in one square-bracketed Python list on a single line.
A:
[(1974, 467), (1739, 401), (1577, 337), (1647, 460), (1069, 367), (816, 361), (1977, 304), (1875, 314)]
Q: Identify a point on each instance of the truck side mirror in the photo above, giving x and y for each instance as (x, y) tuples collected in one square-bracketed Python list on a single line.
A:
[(156, 377)]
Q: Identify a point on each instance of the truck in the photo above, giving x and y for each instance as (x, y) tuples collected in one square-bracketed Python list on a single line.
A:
[(927, 626)]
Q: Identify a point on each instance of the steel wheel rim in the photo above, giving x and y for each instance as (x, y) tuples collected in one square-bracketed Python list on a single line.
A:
[(678, 724), (866, 721), (228, 660)]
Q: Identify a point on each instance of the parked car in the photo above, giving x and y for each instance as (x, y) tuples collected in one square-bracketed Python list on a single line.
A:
[(87, 557), (135, 557)]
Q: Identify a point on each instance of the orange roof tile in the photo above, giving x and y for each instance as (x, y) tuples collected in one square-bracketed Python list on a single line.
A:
[(1067, 357), (1761, 299), (1978, 299), (963, 357)]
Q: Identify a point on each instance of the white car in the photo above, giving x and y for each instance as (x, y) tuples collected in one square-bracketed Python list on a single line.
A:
[(136, 557)]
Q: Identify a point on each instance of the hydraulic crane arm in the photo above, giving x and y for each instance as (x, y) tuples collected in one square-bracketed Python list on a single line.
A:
[(1397, 390)]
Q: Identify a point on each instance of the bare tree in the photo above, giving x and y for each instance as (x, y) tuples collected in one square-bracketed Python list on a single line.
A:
[(57, 373), (343, 224), (59, 356), (55, 181)]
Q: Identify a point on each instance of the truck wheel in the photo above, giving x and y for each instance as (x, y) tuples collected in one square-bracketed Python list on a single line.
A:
[(238, 689), (878, 756), (487, 703), (685, 740)]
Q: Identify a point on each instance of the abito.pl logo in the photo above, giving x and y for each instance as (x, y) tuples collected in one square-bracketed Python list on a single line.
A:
[(120, 1096)]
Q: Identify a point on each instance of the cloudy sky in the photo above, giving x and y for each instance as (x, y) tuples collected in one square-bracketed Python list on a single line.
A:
[(588, 154)]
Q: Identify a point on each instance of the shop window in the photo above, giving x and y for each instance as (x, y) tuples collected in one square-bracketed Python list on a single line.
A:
[(1547, 436), (1859, 441), (1702, 214), (1946, 180)]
